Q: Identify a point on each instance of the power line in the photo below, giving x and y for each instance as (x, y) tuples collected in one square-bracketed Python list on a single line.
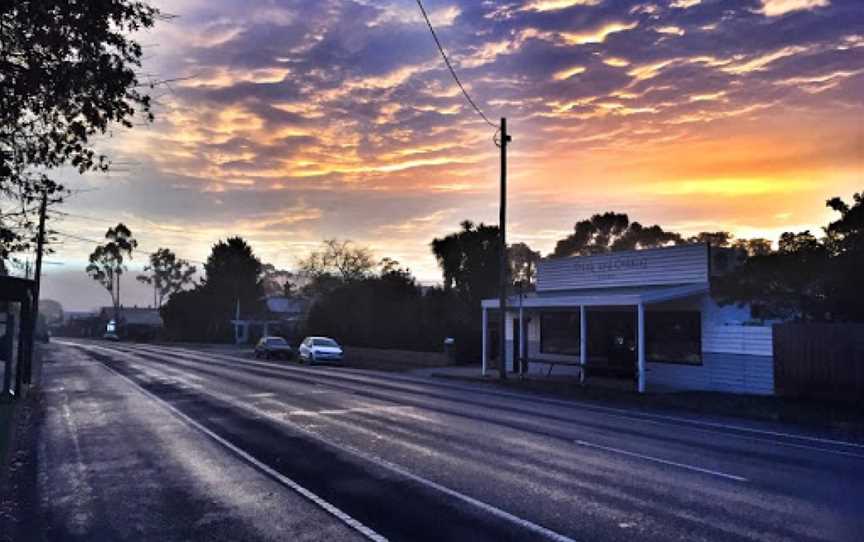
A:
[(98, 242), (107, 221), (450, 67)]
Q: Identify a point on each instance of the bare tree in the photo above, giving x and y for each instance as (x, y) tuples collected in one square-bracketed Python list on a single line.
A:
[(168, 275), (340, 259)]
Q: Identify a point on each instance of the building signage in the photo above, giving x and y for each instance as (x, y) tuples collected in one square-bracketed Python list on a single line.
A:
[(611, 265), (664, 266)]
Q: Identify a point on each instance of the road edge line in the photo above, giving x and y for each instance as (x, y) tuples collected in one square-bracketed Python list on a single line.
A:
[(486, 507), (366, 531)]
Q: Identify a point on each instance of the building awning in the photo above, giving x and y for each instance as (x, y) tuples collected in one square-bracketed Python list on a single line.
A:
[(602, 297)]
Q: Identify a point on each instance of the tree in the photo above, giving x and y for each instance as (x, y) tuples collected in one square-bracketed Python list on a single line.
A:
[(51, 310), (753, 247), (276, 281), (844, 241), (337, 259), (713, 238), (787, 283), (846, 234), (168, 274), (523, 265), (609, 232), (68, 73), (232, 282), (383, 310), (469, 261), (107, 262)]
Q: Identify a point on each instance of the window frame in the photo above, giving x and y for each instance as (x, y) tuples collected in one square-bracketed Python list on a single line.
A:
[(542, 341), (700, 352)]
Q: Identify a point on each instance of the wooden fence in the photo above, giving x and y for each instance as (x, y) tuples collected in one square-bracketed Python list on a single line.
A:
[(819, 361)]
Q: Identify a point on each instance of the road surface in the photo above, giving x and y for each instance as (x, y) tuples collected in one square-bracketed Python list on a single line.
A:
[(168, 443)]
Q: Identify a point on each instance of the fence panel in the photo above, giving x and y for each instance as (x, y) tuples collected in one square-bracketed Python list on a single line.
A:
[(820, 361)]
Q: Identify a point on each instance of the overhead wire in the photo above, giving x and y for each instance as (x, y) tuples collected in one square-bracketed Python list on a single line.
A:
[(98, 242), (453, 71)]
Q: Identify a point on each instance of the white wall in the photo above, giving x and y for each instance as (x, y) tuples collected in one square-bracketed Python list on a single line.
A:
[(735, 358), (686, 264)]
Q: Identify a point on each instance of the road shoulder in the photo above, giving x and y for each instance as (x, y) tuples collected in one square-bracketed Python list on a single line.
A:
[(102, 461)]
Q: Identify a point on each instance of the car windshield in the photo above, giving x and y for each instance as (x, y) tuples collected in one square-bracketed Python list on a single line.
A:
[(276, 341), (324, 342)]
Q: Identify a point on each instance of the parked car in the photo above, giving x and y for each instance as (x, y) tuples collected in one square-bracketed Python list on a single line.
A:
[(273, 347), (110, 337), (320, 349)]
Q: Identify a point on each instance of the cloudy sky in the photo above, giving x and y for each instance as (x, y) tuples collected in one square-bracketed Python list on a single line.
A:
[(296, 121)]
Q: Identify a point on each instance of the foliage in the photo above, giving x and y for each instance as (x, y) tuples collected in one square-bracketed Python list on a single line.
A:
[(387, 310), (276, 281), (609, 232), (469, 261), (232, 279), (844, 241), (806, 278), (523, 264), (51, 310), (713, 238), (67, 70), (168, 274), (107, 261), (753, 247), (337, 259)]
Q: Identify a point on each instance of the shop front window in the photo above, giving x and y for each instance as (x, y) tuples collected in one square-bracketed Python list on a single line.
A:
[(559, 333), (674, 337)]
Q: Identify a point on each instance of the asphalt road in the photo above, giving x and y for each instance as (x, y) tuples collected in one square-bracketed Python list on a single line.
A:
[(147, 442)]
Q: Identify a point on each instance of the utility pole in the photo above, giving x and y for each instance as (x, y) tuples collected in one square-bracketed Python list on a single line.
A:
[(34, 309), (40, 245), (502, 278)]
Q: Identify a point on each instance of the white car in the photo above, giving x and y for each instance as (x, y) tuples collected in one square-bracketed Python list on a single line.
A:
[(319, 349)]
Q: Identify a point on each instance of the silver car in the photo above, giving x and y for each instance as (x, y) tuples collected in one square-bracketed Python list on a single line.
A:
[(320, 350)]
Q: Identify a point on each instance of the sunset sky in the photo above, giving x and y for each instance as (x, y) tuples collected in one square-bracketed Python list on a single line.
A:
[(297, 121)]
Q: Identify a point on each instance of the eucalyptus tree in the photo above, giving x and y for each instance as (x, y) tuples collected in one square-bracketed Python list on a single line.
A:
[(166, 274), (108, 262)]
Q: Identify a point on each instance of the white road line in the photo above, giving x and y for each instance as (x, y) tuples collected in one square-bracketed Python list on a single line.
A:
[(282, 479), (661, 461), (383, 463), (547, 534), (657, 418)]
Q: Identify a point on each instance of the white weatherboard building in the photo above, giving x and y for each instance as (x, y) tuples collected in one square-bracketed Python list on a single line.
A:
[(645, 315)]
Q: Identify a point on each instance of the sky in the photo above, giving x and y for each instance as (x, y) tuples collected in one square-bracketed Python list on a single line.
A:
[(291, 121)]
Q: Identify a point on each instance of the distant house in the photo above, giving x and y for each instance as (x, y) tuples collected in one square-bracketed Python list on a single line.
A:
[(282, 316), (79, 324), (134, 323)]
